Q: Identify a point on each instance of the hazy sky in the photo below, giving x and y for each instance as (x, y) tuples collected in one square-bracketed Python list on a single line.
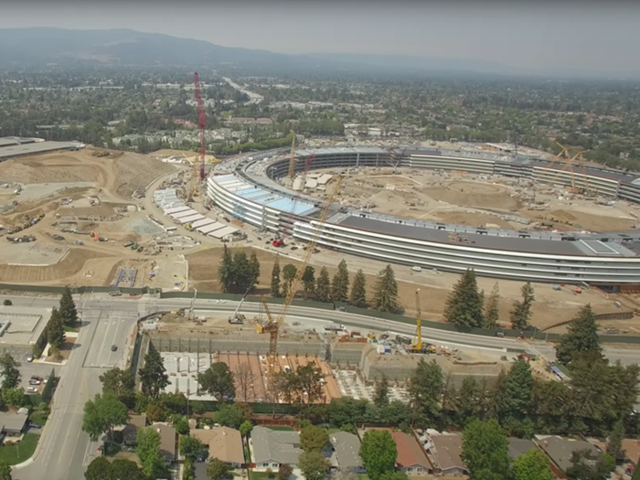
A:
[(602, 36)]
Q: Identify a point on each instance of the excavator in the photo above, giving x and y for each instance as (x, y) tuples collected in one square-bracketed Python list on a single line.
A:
[(420, 346)]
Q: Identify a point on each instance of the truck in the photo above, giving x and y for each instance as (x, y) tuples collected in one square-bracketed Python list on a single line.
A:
[(335, 328), (278, 242), (416, 269)]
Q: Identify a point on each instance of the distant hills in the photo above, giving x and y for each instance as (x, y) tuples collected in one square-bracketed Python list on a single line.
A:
[(23, 47)]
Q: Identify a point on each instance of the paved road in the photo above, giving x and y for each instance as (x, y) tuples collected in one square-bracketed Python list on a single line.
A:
[(65, 451)]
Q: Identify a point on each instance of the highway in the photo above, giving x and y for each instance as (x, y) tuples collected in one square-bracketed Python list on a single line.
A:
[(65, 451)]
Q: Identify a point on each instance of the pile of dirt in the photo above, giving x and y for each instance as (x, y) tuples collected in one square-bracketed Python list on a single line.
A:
[(588, 221), (51, 168), (72, 264), (135, 171)]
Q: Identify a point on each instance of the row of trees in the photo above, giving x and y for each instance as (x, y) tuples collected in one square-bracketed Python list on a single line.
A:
[(238, 273), (324, 289), (466, 305), (63, 317)]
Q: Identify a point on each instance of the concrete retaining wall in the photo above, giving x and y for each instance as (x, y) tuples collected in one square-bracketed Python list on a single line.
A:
[(212, 345)]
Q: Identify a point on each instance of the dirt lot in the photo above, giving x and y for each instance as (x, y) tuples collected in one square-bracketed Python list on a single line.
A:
[(550, 306), (474, 194), (119, 172)]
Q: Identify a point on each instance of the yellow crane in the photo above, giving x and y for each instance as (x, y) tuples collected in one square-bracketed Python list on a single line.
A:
[(272, 326), (420, 346)]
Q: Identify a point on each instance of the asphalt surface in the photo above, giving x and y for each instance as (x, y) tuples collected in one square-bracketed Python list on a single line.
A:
[(64, 450)]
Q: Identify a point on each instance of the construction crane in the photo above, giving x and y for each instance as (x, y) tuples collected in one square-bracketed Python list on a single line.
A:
[(199, 169), (292, 159), (239, 318), (419, 346), (272, 326)]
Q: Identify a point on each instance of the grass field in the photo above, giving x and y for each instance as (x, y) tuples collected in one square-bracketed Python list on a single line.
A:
[(18, 453)]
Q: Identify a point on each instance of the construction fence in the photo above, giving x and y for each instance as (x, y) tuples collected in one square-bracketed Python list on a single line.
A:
[(530, 334)]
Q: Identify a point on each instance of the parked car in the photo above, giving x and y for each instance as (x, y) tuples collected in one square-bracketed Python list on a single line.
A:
[(32, 390), (34, 425), (36, 377), (34, 382), (115, 293), (30, 358)]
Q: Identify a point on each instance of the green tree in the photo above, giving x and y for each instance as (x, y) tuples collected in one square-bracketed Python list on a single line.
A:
[(122, 469), (358, 297), (228, 416), (98, 469), (309, 282), (181, 424), (492, 308), (426, 386), (381, 394), (513, 402), (385, 298), (191, 448), (340, 283), (636, 474), (586, 466), (68, 309), (148, 451), (225, 270), (245, 428), (275, 279), (153, 376), (55, 330), (313, 465), (288, 275), (313, 438), (254, 269), (323, 285), (217, 469), (470, 401), (614, 442), (465, 303), (521, 312), (533, 465), (9, 371), (581, 338), (378, 452), (218, 381), (485, 450), (285, 471), (120, 383), (13, 397), (154, 413), (102, 414)]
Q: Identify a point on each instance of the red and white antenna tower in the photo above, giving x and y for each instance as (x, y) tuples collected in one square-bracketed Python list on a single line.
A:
[(201, 117)]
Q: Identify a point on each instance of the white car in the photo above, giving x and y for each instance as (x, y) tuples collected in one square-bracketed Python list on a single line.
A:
[(32, 390)]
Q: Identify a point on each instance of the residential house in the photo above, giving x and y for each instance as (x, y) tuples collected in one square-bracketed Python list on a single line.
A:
[(130, 430), (519, 446), (445, 452), (345, 452), (560, 452), (270, 448), (224, 444), (168, 441), (631, 449), (12, 423), (412, 459)]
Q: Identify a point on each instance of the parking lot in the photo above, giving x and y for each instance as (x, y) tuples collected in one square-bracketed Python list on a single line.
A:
[(27, 370), (113, 327), (20, 355)]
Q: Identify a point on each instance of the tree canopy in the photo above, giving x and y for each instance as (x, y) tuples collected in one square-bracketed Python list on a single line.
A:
[(323, 285), (102, 414), (385, 297), (153, 376), (358, 296), (485, 450), (148, 450), (313, 438), (426, 385), (9, 371), (229, 416), (581, 338), (465, 304), (313, 465), (218, 381), (120, 383), (340, 283), (379, 453), (533, 465), (521, 311), (68, 310)]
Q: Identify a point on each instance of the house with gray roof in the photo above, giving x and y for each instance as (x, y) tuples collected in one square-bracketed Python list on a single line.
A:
[(519, 446), (560, 452), (270, 448), (345, 455)]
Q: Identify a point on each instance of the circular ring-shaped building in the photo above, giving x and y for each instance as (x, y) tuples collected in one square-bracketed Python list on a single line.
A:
[(249, 189)]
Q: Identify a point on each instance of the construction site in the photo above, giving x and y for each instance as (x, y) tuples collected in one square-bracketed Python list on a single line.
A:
[(350, 361)]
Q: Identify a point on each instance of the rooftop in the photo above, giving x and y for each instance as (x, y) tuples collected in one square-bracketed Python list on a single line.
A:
[(168, 438), (347, 447), (410, 452), (224, 443), (275, 446), (8, 150), (12, 421), (446, 451), (25, 325), (560, 450), (519, 446)]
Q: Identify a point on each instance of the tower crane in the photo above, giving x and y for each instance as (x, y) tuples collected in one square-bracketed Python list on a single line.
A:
[(419, 346), (272, 326), (292, 159)]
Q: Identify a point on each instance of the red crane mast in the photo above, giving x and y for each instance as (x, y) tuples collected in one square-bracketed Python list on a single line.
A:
[(201, 117)]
